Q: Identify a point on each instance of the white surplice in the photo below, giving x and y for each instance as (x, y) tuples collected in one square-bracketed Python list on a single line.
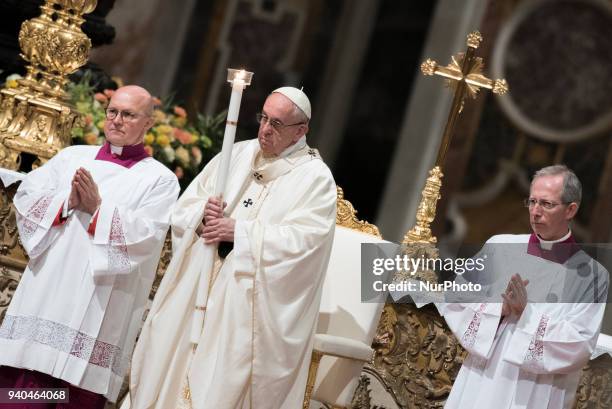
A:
[(80, 301), (533, 362), (262, 309)]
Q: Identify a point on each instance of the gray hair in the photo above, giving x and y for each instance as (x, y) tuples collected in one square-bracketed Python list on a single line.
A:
[(572, 188)]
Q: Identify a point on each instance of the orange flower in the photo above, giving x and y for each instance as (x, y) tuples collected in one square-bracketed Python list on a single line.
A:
[(183, 137), (179, 172), (180, 111), (100, 97), (148, 149), (89, 119), (109, 93), (156, 101), (91, 138)]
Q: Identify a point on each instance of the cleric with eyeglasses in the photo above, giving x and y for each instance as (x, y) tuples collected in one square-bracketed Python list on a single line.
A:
[(93, 221), (527, 349)]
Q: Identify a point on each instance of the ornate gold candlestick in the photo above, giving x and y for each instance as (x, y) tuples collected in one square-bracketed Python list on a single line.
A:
[(36, 117)]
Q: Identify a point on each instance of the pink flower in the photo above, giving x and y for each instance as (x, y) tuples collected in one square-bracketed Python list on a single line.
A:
[(100, 97), (89, 119), (109, 93), (149, 150), (179, 172), (183, 137), (156, 101), (180, 111)]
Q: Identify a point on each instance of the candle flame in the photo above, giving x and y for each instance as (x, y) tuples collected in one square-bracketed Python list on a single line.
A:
[(240, 76)]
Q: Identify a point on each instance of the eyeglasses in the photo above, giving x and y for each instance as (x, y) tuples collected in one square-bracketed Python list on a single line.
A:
[(126, 116), (544, 204), (275, 123)]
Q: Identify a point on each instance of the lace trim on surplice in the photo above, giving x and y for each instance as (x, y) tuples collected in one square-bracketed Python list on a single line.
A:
[(118, 258), (535, 353), (469, 337), (65, 339), (34, 216)]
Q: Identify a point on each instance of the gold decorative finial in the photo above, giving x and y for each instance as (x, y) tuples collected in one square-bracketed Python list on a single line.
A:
[(500, 87), (36, 117), (474, 39), (428, 67)]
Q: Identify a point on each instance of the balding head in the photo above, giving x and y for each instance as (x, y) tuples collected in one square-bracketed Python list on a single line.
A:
[(131, 107), (139, 94)]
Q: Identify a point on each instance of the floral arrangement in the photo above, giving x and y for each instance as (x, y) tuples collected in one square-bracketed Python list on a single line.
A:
[(183, 146)]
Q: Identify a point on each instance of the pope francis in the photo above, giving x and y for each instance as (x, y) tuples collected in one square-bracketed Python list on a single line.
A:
[(263, 301)]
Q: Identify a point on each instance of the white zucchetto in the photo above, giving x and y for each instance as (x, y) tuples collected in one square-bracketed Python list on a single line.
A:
[(297, 96)]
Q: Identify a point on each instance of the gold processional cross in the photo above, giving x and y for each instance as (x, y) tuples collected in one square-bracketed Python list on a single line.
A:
[(464, 75)]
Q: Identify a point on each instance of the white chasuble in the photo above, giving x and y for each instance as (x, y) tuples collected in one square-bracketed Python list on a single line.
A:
[(535, 361), (262, 309), (80, 302)]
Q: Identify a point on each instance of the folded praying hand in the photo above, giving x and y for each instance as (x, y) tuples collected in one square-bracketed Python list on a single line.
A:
[(84, 195), (515, 297)]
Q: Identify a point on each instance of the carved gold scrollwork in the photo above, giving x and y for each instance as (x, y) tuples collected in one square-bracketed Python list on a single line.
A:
[(346, 216), (12, 253), (8, 284), (595, 387), (362, 397), (6, 110), (418, 250), (417, 357), (13, 258), (164, 260)]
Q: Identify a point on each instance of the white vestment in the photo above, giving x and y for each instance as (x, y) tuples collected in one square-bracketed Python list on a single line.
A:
[(262, 309), (80, 301), (533, 362)]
